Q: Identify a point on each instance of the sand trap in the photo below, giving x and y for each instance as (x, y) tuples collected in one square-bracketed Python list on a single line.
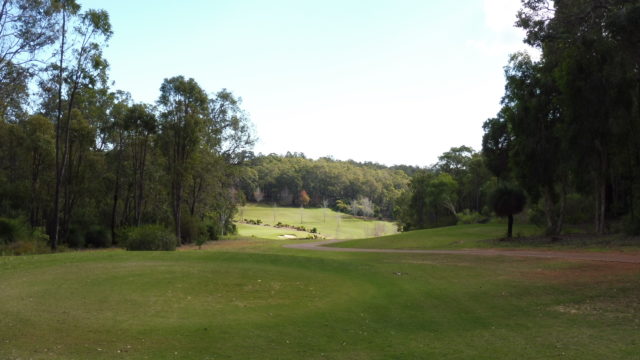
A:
[(287, 237)]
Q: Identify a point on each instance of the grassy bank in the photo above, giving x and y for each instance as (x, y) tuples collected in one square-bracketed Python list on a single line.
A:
[(253, 299), (492, 236), (330, 224)]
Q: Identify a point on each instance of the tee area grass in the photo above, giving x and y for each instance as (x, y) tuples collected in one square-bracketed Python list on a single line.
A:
[(253, 299), (492, 235), (330, 224)]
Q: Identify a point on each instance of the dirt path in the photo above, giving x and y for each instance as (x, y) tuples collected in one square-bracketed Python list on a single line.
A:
[(549, 254)]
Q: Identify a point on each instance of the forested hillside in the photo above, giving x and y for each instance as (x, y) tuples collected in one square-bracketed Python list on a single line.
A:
[(360, 188)]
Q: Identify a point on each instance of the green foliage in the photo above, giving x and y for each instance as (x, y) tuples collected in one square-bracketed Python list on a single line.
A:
[(150, 237), (429, 202), (193, 229), (97, 237), (470, 217), (281, 178), (75, 237), (17, 238), (536, 215), (508, 200), (631, 225), (342, 206), (568, 124), (578, 209), (13, 230), (25, 247)]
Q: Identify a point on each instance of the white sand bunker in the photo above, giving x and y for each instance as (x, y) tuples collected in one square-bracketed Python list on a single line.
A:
[(287, 237)]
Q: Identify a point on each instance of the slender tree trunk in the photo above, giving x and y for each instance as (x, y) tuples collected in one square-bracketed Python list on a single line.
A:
[(116, 191), (177, 210), (601, 190), (35, 175), (59, 169), (140, 186), (510, 227)]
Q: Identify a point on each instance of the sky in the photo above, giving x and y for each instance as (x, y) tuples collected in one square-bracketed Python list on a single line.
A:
[(387, 81)]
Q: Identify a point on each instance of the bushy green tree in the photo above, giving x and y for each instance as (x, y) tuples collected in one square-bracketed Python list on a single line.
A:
[(508, 200)]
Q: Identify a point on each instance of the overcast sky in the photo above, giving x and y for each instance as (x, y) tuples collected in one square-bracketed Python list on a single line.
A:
[(389, 81)]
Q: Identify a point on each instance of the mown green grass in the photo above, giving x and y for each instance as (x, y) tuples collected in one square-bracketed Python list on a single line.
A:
[(330, 224), (256, 300), (450, 237), (492, 235)]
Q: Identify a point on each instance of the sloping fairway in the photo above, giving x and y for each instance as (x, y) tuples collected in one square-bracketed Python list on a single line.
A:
[(255, 300), (330, 224), (268, 232), (450, 237)]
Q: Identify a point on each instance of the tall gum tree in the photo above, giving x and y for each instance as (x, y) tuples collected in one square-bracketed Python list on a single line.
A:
[(79, 65), (184, 108)]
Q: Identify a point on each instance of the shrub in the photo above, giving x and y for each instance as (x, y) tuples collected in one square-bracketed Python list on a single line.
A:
[(192, 229), (12, 230), (470, 217), (537, 216), (213, 230), (18, 239), (75, 238), (150, 237), (98, 237), (631, 225), (25, 247), (578, 209)]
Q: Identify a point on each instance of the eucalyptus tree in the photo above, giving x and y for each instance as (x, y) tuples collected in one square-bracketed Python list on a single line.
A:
[(79, 65), (38, 148), (184, 108), (227, 140), (142, 124), (27, 28), (589, 51)]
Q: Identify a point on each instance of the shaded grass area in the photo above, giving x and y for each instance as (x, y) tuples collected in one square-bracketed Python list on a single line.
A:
[(251, 299), (491, 235), (330, 224), (450, 237)]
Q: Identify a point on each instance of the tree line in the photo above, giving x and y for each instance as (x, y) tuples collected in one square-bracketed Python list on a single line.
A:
[(455, 189), (569, 120), (80, 161), (367, 189)]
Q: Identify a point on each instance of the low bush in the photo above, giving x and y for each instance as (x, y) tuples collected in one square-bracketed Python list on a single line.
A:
[(98, 237), (75, 238), (25, 247), (470, 217), (578, 209), (253, 222), (151, 238), (12, 230), (17, 238), (193, 230), (631, 225)]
